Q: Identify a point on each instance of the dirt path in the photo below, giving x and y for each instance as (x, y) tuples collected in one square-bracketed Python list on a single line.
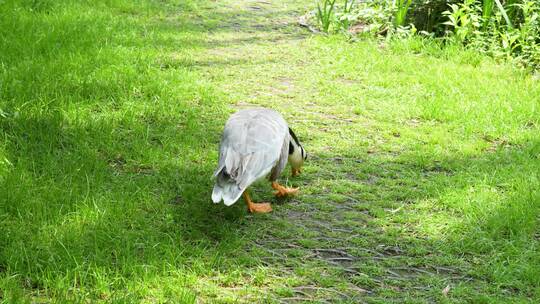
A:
[(326, 245)]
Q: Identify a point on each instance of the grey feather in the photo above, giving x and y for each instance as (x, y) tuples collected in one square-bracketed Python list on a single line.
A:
[(254, 143), (282, 163)]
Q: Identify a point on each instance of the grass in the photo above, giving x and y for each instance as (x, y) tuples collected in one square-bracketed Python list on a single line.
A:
[(422, 171)]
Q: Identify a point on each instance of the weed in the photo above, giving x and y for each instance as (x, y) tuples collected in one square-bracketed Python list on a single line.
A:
[(325, 14)]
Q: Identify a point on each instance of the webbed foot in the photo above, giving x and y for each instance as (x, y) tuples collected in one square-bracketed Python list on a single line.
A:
[(283, 191)]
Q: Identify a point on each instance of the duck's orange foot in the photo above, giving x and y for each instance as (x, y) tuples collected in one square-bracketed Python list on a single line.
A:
[(259, 208), (295, 172), (283, 191), (256, 208), (286, 191)]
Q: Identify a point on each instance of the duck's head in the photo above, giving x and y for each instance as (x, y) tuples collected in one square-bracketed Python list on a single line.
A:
[(297, 154)]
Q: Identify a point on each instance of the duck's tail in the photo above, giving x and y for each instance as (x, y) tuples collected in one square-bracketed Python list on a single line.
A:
[(226, 189)]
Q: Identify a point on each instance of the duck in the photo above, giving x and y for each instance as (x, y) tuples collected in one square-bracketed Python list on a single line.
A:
[(255, 143)]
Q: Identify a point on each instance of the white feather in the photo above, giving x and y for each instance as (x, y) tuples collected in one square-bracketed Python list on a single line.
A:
[(251, 146)]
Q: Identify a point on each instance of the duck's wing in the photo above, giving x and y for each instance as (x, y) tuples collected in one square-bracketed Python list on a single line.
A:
[(282, 162)]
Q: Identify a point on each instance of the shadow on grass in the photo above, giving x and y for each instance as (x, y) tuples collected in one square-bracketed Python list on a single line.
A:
[(107, 159), (399, 225), (85, 205), (485, 206)]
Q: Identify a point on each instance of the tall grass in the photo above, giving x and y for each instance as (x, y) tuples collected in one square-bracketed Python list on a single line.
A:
[(345, 14), (487, 11), (325, 14), (504, 14), (402, 7)]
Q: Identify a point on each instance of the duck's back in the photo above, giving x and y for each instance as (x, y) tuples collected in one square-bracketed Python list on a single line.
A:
[(254, 130)]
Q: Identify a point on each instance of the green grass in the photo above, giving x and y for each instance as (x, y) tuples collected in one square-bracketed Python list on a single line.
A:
[(423, 168)]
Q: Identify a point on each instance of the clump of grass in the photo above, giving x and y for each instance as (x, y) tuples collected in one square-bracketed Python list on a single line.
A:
[(402, 7), (325, 14)]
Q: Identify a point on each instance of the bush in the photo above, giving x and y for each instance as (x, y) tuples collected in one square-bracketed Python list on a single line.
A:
[(505, 29)]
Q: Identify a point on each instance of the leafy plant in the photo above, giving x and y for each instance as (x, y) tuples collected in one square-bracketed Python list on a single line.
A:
[(529, 32), (347, 7), (463, 18), (487, 11), (346, 17), (503, 13), (402, 6), (506, 29), (500, 35), (325, 14)]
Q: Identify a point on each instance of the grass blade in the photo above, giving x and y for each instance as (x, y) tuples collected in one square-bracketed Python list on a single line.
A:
[(503, 13)]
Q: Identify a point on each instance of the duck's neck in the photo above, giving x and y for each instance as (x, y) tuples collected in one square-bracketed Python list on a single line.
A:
[(296, 151)]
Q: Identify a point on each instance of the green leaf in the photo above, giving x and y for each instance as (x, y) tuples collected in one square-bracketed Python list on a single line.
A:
[(503, 13)]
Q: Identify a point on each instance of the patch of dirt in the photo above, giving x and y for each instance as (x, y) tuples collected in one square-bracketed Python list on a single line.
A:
[(531, 125), (436, 168), (413, 122), (118, 162), (358, 28), (348, 82), (286, 82), (177, 200), (244, 105), (497, 143), (339, 257)]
